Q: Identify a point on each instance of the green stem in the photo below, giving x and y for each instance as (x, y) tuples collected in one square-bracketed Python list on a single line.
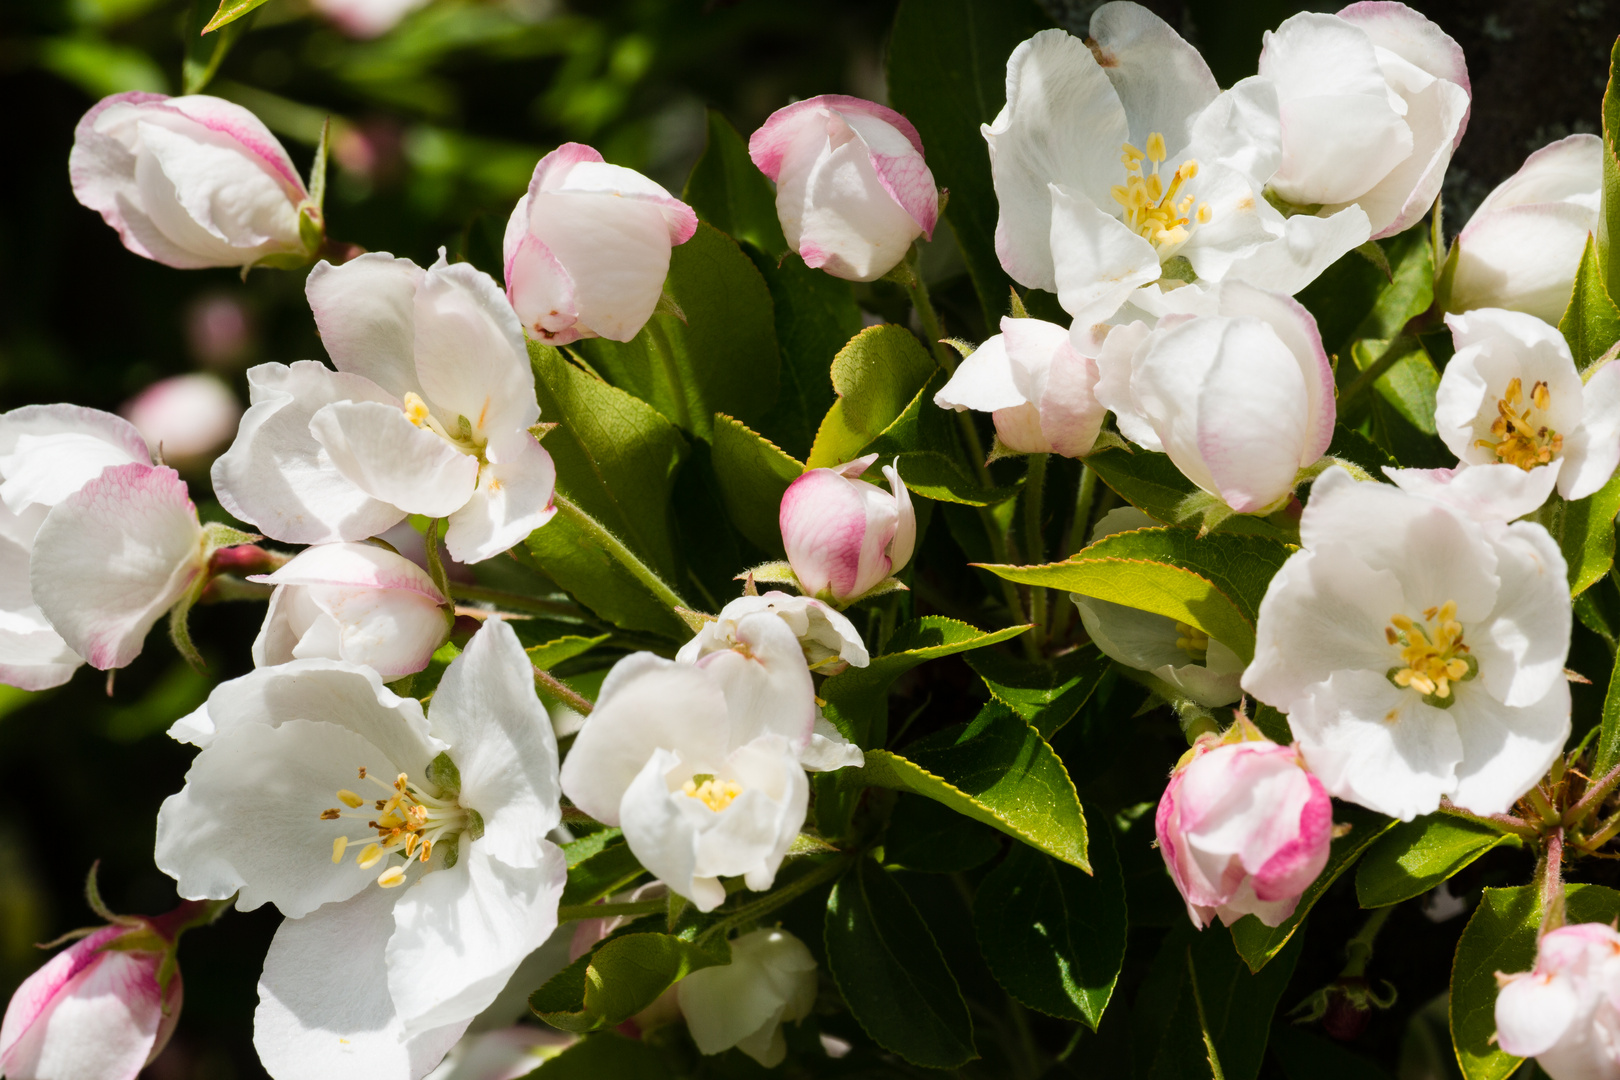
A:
[(1358, 950), (1034, 543), (575, 912), (561, 690), (1595, 794), (1079, 525), (800, 885), (615, 547), (1549, 876), (932, 330), (509, 601)]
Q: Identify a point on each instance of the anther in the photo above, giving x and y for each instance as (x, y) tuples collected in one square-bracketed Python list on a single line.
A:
[(331, 815), (349, 798), (369, 856), (391, 877), (338, 847)]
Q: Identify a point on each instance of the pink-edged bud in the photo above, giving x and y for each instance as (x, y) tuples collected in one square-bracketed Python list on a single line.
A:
[(95, 1011), (844, 536), (356, 602), (852, 189), (366, 18), (587, 249), (1243, 829), (1565, 1012), (185, 419), (192, 182)]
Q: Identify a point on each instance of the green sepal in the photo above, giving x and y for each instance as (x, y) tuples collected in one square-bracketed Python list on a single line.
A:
[(443, 775)]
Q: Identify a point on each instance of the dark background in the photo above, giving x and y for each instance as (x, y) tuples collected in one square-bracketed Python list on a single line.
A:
[(440, 124)]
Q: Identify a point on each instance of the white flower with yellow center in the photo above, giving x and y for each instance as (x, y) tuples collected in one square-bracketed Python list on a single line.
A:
[(1119, 163), (700, 763), (1418, 653), (408, 852)]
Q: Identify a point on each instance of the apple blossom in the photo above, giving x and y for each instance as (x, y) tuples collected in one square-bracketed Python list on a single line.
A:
[(1372, 100), (388, 951), (587, 249), (770, 981), (366, 19), (185, 419), (845, 537), (1123, 163), (356, 602), (428, 413), (1418, 653), (192, 181), (1038, 387), (1565, 1012), (829, 640), (1244, 829), (1240, 396), (852, 188), (699, 763), (1511, 404), (1523, 245), (502, 1054), (1197, 665)]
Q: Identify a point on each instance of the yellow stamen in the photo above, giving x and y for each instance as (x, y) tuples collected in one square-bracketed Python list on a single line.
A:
[(1192, 641), (410, 821), (390, 877), (416, 410), (338, 847), (1518, 438), (1155, 148), (349, 798), (1150, 206), (715, 794), (1435, 656), (369, 856)]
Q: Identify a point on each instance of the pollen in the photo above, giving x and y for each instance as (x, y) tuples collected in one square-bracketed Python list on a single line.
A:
[(715, 794), (1192, 641), (1432, 652), (1150, 206), (409, 822), (349, 798), (1518, 436), (416, 410)]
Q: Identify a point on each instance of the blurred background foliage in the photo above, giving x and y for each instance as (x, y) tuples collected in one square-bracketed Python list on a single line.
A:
[(436, 128)]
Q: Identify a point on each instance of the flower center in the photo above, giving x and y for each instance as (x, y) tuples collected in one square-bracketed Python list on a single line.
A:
[(1433, 653), (1517, 436), (463, 439), (409, 822), (1150, 206), (715, 794), (1192, 641)]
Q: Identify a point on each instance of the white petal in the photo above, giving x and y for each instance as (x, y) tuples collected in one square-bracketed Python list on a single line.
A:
[(829, 751), (1495, 492), (1591, 461), (47, 452), (470, 354), (1521, 257), (1533, 1012), (1526, 640), (1240, 130), (378, 450), (365, 311), (1435, 115), (1138, 639), (725, 1004), (768, 687), (1296, 328), (1115, 364), (461, 933), (102, 1020), (324, 1008), (1308, 245), (355, 566), (982, 382), (1506, 751), (1097, 259), (502, 743), (513, 498), (394, 631), (276, 476), (1241, 222), (615, 249), (1162, 82), (111, 559)]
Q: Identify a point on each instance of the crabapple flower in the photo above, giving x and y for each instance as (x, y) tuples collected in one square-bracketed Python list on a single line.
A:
[(428, 413), (1123, 163), (186, 418), (356, 602), (502, 1054), (414, 891), (699, 763), (192, 181), (1418, 653), (1564, 1012), (587, 249), (844, 537), (1241, 398), (1039, 389), (1203, 669), (770, 981), (1373, 100), (365, 19), (852, 188), (95, 1011), (1523, 245), (1244, 829), (1511, 404)]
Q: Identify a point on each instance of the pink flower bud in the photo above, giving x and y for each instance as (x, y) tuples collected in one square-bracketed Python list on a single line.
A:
[(587, 249), (845, 536), (190, 181), (1564, 1012), (185, 419), (93, 1012), (852, 189), (1244, 829), (366, 18)]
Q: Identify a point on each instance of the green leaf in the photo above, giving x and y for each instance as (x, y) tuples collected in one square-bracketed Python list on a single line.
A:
[(1054, 937), (931, 459), (857, 699), (549, 655), (816, 314), (948, 75), (1399, 411), (1609, 218), (606, 1055), (1607, 754), (931, 838), (622, 976), (205, 54), (577, 851), (753, 473), (1591, 323), (1501, 936), (100, 68), (889, 969), (600, 874), (876, 375), (1258, 943), (229, 11), (616, 459), (1215, 584), (1415, 856), (1585, 533), (1408, 291), (722, 357), (1356, 448), (1304, 1056), (1237, 1007), (730, 193), (1152, 483), (1047, 694), (997, 770)]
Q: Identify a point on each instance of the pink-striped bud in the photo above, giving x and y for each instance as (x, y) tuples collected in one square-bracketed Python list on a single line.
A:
[(1563, 1012), (843, 535)]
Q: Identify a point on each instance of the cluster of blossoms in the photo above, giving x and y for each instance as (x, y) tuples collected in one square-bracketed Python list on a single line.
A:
[(1415, 641)]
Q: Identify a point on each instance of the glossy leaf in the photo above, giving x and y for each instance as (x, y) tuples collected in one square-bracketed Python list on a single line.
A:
[(816, 314), (1053, 936), (1152, 483), (229, 11), (1047, 694), (552, 653), (1591, 323), (622, 976), (876, 375), (601, 874), (1415, 856), (997, 770), (931, 838), (753, 473), (924, 441), (730, 193), (1608, 234), (891, 973), (1607, 752), (1585, 533)]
